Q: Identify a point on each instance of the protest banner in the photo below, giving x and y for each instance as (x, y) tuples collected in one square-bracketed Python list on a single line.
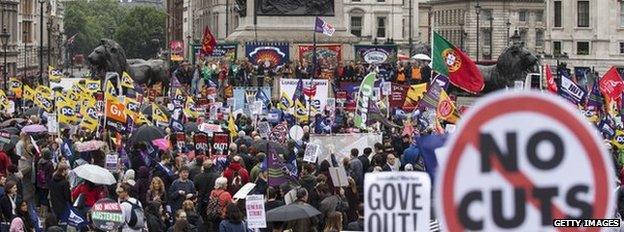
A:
[(264, 129), (221, 142), (311, 153), (243, 191), (319, 100), (341, 144), (201, 143), (328, 57), (279, 133), (244, 96), (375, 54), (513, 142), (106, 215), (111, 162), (397, 201), (256, 216), (397, 95), (275, 53), (180, 140), (209, 128)]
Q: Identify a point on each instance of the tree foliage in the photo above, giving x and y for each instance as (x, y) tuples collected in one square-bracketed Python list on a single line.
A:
[(135, 28)]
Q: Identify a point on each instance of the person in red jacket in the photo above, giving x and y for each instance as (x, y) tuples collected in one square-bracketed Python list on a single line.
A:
[(92, 193), (5, 162), (236, 175)]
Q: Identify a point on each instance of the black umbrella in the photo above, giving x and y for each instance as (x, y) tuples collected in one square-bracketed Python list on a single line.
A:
[(9, 143), (190, 127), (32, 111), (265, 146), (291, 212), (10, 122), (11, 130), (147, 110), (146, 133)]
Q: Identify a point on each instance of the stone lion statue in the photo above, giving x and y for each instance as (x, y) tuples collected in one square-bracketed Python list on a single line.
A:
[(111, 57), (512, 65)]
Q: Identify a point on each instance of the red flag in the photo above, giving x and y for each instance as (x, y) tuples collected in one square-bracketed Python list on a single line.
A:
[(611, 85), (450, 61), (549, 79), (208, 41), (311, 91)]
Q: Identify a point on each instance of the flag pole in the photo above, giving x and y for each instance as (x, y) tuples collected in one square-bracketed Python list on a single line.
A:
[(313, 72)]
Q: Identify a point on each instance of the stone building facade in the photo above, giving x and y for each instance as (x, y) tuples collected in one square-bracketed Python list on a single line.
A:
[(585, 34), (499, 21)]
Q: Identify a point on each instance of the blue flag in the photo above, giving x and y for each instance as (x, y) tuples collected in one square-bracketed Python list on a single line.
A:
[(606, 128), (261, 96), (571, 91), (73, 217), (595, 99), (66, 150), (298, 95), (427, 145)]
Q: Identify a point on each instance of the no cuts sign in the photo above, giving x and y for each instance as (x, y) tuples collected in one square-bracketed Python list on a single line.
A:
[(521, 160)]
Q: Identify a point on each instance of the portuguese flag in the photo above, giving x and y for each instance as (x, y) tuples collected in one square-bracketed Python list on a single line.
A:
[(453, 63)]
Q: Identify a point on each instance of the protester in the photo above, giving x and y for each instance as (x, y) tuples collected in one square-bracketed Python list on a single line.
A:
[(233, 220), (10, 201), (156, 191), (22, 221), (153, 211), (181, 189), (305, 224), (129, 207), (359, 224), (59, 190)]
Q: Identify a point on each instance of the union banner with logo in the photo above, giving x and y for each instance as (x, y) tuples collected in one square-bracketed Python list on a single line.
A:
[(453, 63)]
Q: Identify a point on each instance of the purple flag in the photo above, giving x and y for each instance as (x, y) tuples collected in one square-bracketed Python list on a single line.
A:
[(324, 27), (431, 98), (278, 173)]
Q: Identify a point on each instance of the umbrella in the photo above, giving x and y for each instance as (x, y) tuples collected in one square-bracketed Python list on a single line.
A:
[(35, 128), (95, 174), (191, 127), (9, 122), (421, 57), (162, 144), (403, 57), (146, 134), (32, 111), (147, 110), (291, 212), (10, 130), (91, 145), (264, 145), (9, 143)]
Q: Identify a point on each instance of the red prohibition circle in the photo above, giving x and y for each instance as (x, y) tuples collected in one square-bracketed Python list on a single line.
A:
[(532, 104)]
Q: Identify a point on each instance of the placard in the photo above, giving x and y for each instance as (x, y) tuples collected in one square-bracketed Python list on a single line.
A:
[(201, 143), (256, 107), (296, 133), (311, 153), (180, 140), (221, 142), (256, 216), (243, 191), (264, 129), (53, 126), (397, 201), (111, 162), (339, 176), (386, 88), (106, 215)]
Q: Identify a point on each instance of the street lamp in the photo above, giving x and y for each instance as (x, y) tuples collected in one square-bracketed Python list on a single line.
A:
[(491, 34), (41, 2), (478, 11), (508, 28), (4, 37), (515, 38), (49, 24), (188, 39), (25, 36)]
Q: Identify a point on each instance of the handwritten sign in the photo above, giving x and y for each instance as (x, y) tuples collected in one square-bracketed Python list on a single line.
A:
[(311, 153), (256, 216), (264, 129)]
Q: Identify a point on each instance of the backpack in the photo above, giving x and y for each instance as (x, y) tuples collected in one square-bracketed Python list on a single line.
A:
[(41, 178), (213, 209), (137, 217)]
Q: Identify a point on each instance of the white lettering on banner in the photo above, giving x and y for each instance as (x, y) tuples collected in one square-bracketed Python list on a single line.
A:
[(571, 88), (319, 101), (397, 201)]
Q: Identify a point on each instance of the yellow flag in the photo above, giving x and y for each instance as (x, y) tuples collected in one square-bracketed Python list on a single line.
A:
[(92, 86), (90, 119), (189, 109), (5, 103), (66, 111), (414, 94), (232, 126), (446, 109), (15, 85), (44, 90), (132, 109), (285, 102), (111, 91), (158, 115), (89, 103), (29, 93), (43, 98), (54, 75), (301, 112), (127, 81)]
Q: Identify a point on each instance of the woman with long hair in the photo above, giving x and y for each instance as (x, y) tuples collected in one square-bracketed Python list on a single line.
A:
[(10, 201), (233, 220), (153, 211), (21, 222), (60, 194), (156, 191), (334, 222)]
